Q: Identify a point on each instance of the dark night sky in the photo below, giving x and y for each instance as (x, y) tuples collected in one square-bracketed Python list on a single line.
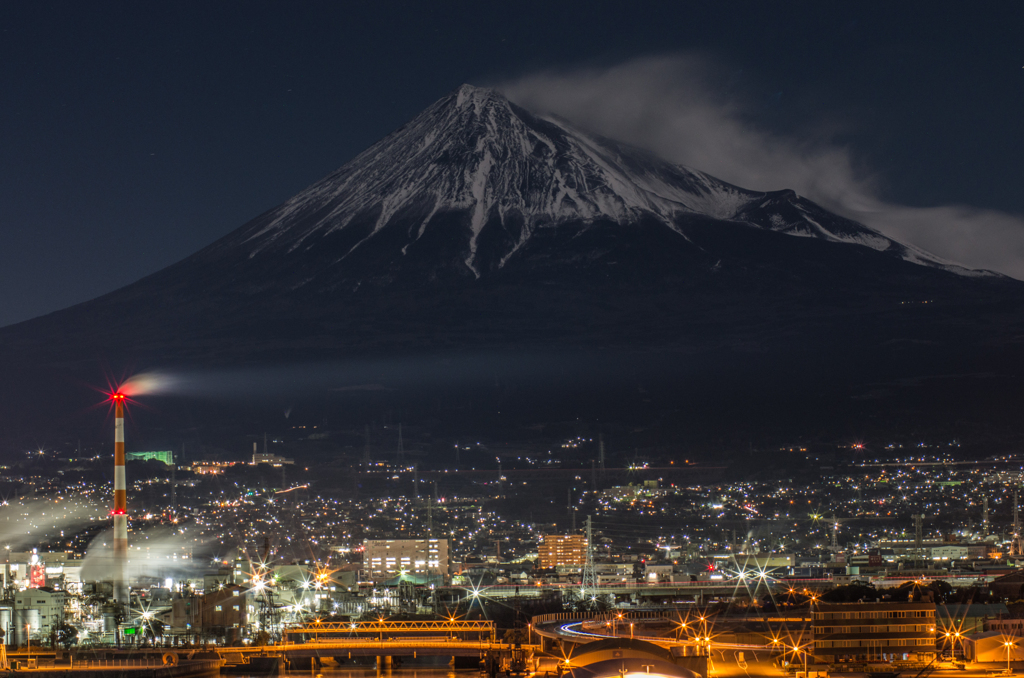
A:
[(132, 134)]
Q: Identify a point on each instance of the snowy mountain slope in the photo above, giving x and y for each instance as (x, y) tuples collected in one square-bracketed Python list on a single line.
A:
[(495, 166), (480, 229)]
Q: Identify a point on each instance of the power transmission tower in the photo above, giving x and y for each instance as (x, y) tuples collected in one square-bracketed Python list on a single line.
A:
[(174, 487), (589, 576)]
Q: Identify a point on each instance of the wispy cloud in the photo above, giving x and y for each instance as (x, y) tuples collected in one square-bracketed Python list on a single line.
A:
[(672, 106)]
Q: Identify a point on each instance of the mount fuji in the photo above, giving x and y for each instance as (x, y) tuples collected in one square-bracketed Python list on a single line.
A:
[(482, 229), (488, 183)]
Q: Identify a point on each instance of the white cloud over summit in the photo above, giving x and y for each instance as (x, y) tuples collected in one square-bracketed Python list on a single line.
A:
[(670, 105)]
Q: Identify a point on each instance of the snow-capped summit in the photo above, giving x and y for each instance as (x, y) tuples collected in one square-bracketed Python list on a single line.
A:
[(482, 170)]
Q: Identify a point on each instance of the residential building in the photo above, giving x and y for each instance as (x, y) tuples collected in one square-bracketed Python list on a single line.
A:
[(385, 558), (658, 571), (562, 550), (880, 632)]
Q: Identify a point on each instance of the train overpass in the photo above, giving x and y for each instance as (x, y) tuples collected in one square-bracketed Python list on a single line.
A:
[(698, 591), (703, 590)]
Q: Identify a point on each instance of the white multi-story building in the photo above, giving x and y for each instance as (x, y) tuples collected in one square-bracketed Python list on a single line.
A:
[(272, 459), (37, 611), (386, 558), (950, 552)]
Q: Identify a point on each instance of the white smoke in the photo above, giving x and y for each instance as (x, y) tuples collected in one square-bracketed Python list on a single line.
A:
[(672, 106), (29, 522), (150, 383), (161, 552)]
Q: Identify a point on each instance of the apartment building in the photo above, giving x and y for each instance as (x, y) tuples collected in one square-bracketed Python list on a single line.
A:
[(562, 550), (386, 558)]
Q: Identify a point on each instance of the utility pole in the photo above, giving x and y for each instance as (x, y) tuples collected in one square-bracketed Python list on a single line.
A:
[(1015, 546), (918, 541), (600, 452), (593, 477), (366, 447), (572, 514), (984, 517), (401, 447), (416, 480)]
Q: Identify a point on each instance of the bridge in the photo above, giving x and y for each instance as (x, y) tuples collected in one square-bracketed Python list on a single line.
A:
[(447, 629), (557, 632), (388, 639)]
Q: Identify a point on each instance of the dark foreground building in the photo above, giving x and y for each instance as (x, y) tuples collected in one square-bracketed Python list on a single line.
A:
[(874, 632)]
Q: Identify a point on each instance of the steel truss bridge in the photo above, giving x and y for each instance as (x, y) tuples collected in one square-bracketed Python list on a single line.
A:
[(450, 629)]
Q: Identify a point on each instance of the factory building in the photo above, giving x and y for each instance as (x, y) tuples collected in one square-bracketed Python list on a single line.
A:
[(223, 612), (31, 569), (272, 459), (166, 456)]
